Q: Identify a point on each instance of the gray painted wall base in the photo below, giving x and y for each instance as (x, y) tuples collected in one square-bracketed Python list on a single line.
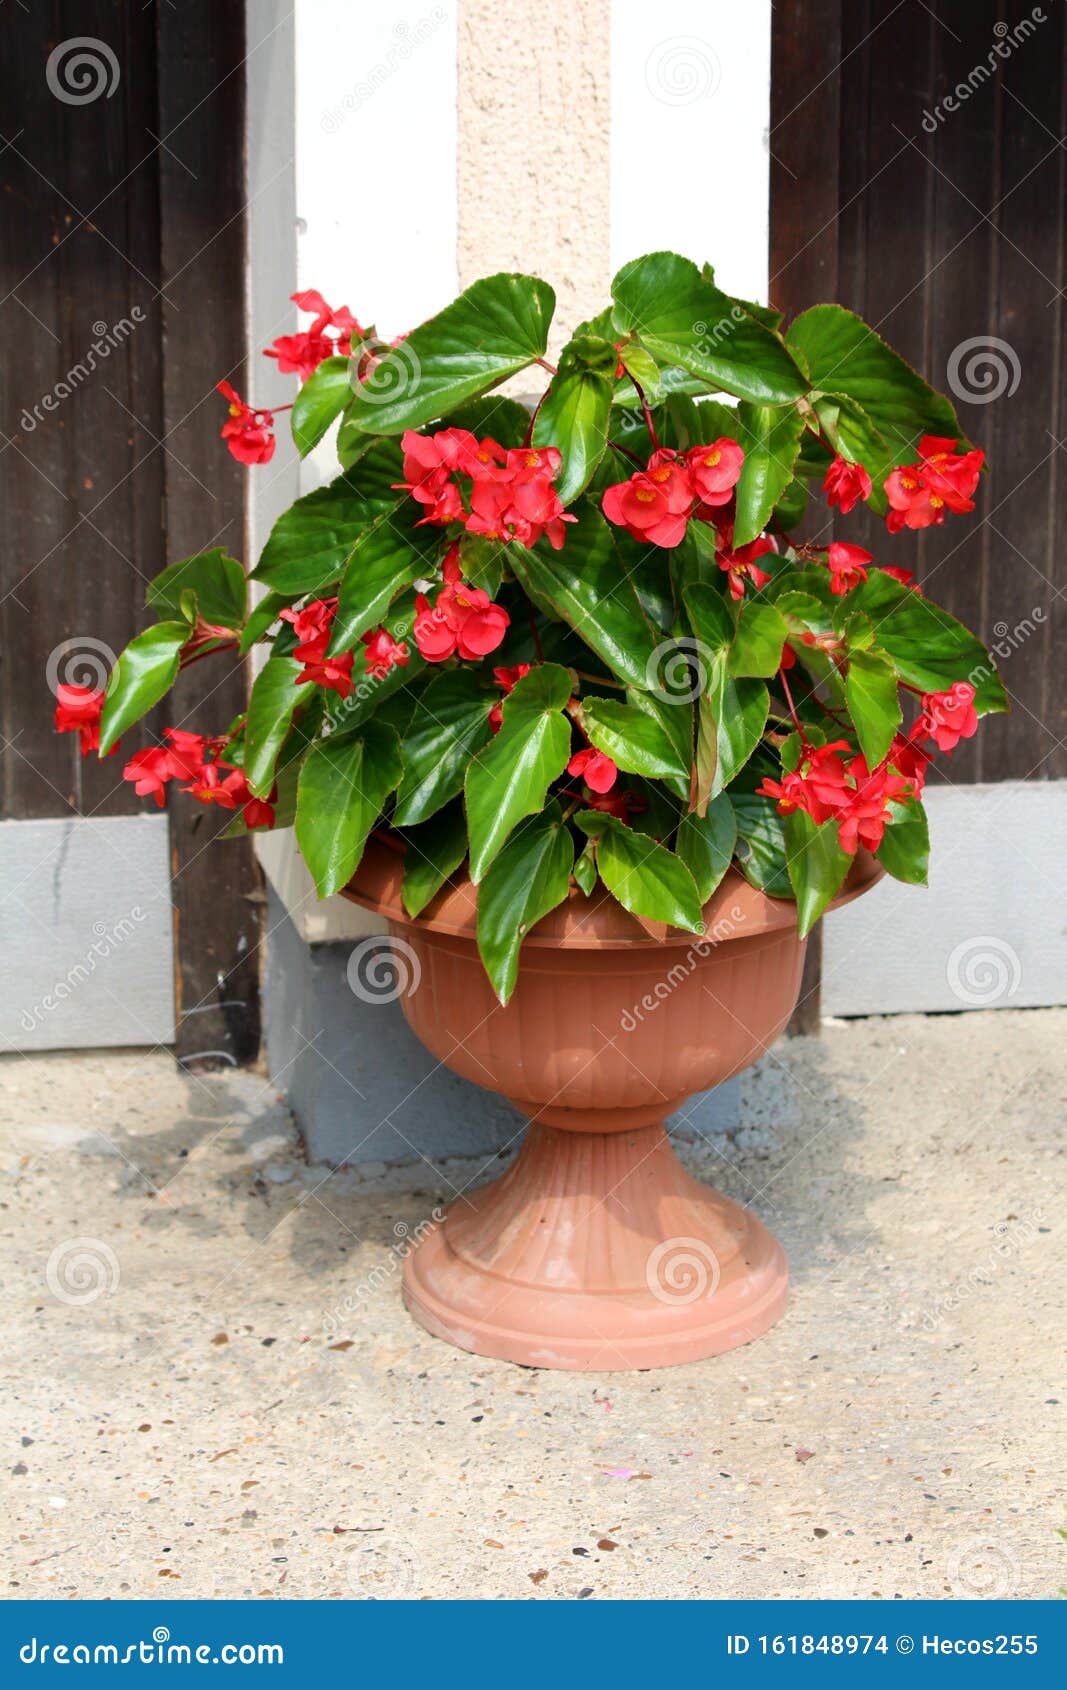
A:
[(86, 935), (987, 933), (361, 1085)]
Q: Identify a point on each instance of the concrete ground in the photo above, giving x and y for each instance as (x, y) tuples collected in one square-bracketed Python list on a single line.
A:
[(212, 1389)]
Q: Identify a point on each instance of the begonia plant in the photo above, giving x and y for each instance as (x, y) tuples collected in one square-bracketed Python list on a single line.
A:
[(577, 640)]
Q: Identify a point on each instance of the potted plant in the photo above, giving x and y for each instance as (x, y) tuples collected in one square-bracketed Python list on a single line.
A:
[(558, 690)]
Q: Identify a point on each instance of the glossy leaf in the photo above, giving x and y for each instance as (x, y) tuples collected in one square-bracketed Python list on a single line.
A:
[(312, 541), (217, 580), (144, 672), (817, 866), (646, 878), (756, 648), (574, 417), (706, 843), (929, 647), (530, 877), (320, 401), (873, 703), (761, 851), (510, 778), (585, 869), (635, 740), (449, 725), (494, 329), (434, 851), (384, 560), (770, 435), (274, 700), (905, 848), (683, 318), (343, 785)]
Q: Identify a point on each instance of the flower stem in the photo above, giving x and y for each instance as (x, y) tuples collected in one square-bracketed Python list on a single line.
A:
[(649, 424)]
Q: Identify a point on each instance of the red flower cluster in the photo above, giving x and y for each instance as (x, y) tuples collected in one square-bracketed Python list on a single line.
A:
[(248, 433), (657, 503), (198, 760), (78, 711), (301, 354), (506, 494), (740, 562), (942, 480), (462, 619), (848, 566), (948, 717), (846, 484), (856, 796), (313, 625)]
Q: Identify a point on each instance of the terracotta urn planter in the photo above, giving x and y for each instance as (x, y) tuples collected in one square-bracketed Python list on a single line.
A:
[(596, 1250)]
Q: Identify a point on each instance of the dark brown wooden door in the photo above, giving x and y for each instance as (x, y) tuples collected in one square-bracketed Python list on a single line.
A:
[(918, 175), (122, 253)]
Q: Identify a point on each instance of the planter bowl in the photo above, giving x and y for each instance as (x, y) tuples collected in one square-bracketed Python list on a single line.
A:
[(596, 1250)]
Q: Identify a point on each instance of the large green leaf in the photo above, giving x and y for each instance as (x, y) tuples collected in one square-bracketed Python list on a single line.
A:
[(706, 844), (873, 703), (529, 878), (757, 645), (215, 577), (845, 356), (143, 673), (274, 700), (574, 417), (634, 739), (683, 318), (433, 853), (449, 726), (510, 778), (732, 711), (771, 440), (343, 785), (905, 848), (817, 866), (646, 878), (930, 648), (760, 849), (586, 586), (311, 542), (384, 560), (494, 329), (320, 401)]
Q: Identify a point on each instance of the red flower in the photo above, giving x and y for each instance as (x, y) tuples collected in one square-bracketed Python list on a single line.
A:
[(186, 753), (651, 508), (740, 564), (334, 673), (597, 770), (209, 787), (384, 653), (255, 812), (78, 711), (313, 620), (847, 566), (150, 770), (863, 820), (433, 636), (948, 717), (249, 434), (856, 796), (908, 757), (921, 493), (302, 353), (714, 470), (846, 484), (480, 625)]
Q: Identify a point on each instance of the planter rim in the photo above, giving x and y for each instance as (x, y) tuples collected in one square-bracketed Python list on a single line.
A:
[(736, 910)]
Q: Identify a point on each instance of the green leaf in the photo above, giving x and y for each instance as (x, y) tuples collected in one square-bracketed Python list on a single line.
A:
[(905, 849), (732, 712), (817, 866), (449, 725), (263, 616), (586, 586), (585, 869), (757, 645), (529, 878), (771, 440), (574, 417), (383, 561), (740, 710), (434, 852), (143, 673), (343, 785), (873, 702), (320, 401), (494, 329), (510, 778), (681, 317), (503, 420), (635, 740), (929, 647), (706, 843), (846, 357), (709, 618), (275, 698), (643, 368), (311, 542), (646, 878), (217, 580), (760, 851)]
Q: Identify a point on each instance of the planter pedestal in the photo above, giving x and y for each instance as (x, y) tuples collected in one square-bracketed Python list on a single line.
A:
[(595, 1251)]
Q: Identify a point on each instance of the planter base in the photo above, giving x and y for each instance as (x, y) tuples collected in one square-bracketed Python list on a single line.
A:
[(597, 1251)]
